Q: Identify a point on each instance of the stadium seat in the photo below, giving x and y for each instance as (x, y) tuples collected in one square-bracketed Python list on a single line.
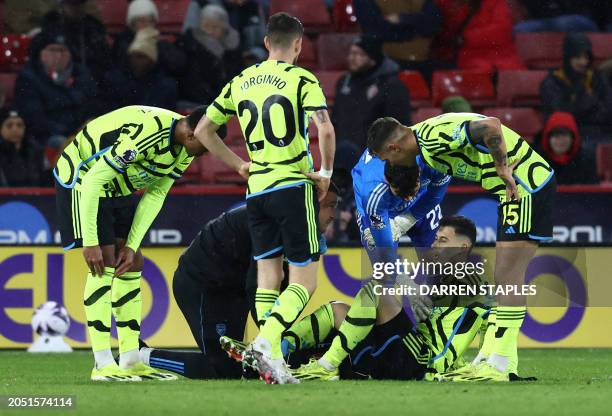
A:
[(113, 13), (525, 121), (540, 50), (604, 162), (13, 51), (328, 81), (214, 171), (343, 15), (308, 56), (602, 46), (171, 14), (332, 50), (425, 113), (8, 84), (312, 13), (476, 87), (519, 88), (234, 133), (419, 90)]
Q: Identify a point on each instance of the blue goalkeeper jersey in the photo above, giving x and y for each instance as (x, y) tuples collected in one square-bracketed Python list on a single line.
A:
[(376, 204)]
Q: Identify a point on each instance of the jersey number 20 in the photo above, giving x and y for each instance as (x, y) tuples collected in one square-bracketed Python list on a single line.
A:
[(266, 120)]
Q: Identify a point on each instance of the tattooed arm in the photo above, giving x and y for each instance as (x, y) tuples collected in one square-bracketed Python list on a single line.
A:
[(327, 147), (488, 132)]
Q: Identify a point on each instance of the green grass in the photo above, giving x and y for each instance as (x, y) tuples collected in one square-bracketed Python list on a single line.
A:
[(571, 382)]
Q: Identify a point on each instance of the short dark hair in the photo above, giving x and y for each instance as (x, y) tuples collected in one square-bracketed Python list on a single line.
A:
[(403, 179), (283, 29), (194, 117), (380, 132), (462, 226)]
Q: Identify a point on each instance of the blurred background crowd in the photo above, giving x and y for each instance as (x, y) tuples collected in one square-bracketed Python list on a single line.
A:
[(544, 67)]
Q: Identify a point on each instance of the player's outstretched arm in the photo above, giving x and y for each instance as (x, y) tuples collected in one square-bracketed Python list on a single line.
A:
[(327, 147), (488, 131), (206, 133)]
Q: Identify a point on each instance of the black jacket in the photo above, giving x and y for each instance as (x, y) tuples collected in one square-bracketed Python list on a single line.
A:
[(50, 109), (362, 98), (122, 88), (204, 75), (23, 167)]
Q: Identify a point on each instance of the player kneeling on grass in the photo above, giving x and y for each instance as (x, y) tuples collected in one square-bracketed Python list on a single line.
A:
[(215, 285), (390, 346), (113, 156)]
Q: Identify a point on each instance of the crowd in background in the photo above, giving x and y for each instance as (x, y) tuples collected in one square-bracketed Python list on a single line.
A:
[(77, 70)]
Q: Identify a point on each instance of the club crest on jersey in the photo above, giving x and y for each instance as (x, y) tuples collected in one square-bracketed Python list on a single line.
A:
[(220, 328), (127, 157), (377, 222)]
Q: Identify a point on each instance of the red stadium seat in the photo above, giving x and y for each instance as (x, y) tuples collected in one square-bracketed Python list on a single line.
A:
[(419, 90), (602, 46), (332, 50), (604, 162), (328, 80), (234, 133), (519, 88), (113, 14), (171, 14), (8, 84), (540, 50), (312, 13), (476, 87), (13, 51), (343, 15), (525, 121), (308, 56), (425, 113), (213, 171)]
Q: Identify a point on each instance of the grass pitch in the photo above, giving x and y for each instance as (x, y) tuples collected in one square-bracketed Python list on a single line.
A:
[(570, 382)]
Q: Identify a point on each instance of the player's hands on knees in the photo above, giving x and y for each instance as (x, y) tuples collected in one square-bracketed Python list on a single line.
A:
[(125, 260), (321, 182), (243, 170), (93, 257), (505, 173)]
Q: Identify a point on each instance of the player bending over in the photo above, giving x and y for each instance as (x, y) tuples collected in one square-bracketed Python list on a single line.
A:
[(274, 101), (214, 286), (113, 156), (387, 208), (479, 148), (393, 348)]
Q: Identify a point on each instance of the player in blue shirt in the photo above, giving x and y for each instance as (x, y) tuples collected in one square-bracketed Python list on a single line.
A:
[(384, 216)]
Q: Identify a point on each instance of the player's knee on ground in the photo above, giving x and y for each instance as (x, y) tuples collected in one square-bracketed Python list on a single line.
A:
[(340, 309)]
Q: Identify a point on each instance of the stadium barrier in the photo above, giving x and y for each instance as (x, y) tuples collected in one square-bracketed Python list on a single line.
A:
[(29, 276)]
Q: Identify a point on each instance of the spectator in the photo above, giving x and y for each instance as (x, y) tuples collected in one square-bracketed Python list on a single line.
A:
[(456, 104), (143, 14), (21, 159), (85, 35), (54, 94), (562, 15), (244, 15), (213, 55), (371, 89), (407, 28), (560, 145), (579, 89), (477, 34), (141, 81)]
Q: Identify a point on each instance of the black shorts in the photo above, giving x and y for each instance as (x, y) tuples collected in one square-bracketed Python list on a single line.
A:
[(115, 216), (285, 222), (528, 219), (392, 351)]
